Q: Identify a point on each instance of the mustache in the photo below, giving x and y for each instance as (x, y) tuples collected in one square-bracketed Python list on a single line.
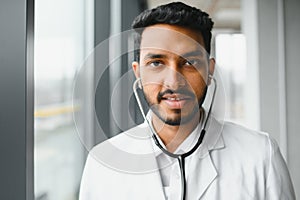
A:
[(179, 91)]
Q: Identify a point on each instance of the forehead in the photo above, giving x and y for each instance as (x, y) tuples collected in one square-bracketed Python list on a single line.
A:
[(169, 38)]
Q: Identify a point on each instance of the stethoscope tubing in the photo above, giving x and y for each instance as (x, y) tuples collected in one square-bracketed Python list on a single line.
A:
[(179, 157)]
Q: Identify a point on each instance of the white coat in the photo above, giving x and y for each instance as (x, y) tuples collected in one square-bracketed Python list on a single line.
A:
[(232, 163)]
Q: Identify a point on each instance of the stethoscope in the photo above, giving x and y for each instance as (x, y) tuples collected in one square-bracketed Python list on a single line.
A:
[(180, 157)]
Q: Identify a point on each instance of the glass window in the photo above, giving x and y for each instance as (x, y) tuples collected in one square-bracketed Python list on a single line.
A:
[(60, 48), (230, 52)]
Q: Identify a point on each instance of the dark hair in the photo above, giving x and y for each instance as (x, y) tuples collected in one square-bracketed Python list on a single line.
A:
[(176, 13)]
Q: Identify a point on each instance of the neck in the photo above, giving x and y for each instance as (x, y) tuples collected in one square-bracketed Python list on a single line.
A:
[(173, 136)]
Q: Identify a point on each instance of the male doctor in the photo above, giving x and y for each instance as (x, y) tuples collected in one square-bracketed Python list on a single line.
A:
[(150, 161)]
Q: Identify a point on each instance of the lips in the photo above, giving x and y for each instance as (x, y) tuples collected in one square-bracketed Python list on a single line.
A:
[(175, 101), (175, 97)]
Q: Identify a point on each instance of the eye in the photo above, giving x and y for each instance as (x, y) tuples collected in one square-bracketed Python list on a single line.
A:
[(193, 62), (155, 63)]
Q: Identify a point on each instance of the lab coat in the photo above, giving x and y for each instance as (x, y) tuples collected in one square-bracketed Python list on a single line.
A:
[(232, 163)]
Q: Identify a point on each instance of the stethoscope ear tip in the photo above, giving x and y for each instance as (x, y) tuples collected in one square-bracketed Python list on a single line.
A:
[(139, 83)]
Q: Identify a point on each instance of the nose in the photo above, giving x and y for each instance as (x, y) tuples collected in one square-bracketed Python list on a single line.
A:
[(173, 78)]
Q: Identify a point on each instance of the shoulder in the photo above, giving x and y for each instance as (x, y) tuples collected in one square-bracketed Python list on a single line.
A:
[(247, 149), (130, 152), (248, 141), (132, 141), (235, 132)]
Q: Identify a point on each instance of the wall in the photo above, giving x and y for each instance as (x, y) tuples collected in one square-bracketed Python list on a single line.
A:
[(16, 109), (272, 30), (292, 49)]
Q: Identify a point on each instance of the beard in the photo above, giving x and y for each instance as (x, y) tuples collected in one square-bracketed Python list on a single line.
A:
[(180, 119)]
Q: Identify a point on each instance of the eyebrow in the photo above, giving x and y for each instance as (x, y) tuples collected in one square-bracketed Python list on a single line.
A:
[(154, 56), (192, 53), (159, 56)]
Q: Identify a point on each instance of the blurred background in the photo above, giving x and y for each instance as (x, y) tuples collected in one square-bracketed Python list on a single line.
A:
[(255, 43)]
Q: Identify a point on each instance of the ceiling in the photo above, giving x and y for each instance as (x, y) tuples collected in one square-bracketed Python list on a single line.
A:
[(225, 13)]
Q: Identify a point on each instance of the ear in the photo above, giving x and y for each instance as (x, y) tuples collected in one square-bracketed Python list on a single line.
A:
[(136, 69), (211, 69)]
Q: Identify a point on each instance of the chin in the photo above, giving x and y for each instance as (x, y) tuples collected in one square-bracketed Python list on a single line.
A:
[(177, 120)]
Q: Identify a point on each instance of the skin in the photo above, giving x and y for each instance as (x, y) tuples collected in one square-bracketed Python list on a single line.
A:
[(174, 69)]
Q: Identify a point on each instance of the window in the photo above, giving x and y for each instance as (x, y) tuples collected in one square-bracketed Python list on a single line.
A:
[(230, 50), (60, 48)]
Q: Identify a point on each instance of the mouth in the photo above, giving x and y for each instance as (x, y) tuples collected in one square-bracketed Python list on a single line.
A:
[(175, 101)]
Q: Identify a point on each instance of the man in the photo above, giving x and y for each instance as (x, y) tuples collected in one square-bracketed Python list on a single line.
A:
[(173, 70)]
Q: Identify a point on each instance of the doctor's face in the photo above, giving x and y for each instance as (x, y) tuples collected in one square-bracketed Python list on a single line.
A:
[(173, 68)]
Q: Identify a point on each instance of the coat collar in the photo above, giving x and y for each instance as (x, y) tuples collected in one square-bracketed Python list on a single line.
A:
[(201, 174), (213, 139)]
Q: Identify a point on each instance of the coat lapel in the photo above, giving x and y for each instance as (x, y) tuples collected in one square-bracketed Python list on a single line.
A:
[(202, 172), (201, 177), (150, 184)]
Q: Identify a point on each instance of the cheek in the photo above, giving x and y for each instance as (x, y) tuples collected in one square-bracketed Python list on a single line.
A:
[(150, 84), (151, 91), (151, 78), (197, 84)]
